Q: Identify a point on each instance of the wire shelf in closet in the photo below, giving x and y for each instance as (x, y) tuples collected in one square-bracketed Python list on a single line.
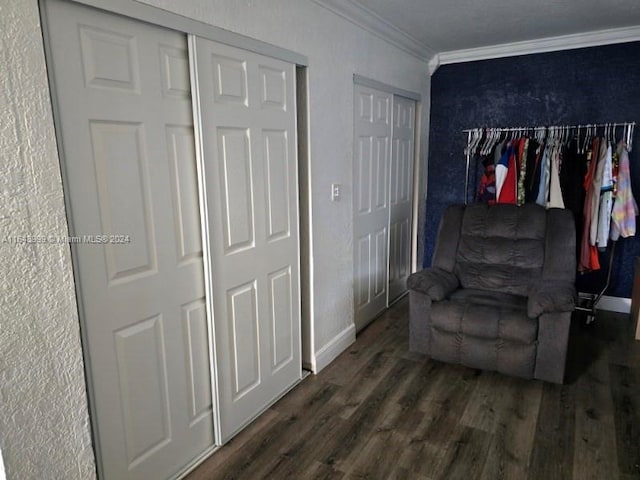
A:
[(582, 148)]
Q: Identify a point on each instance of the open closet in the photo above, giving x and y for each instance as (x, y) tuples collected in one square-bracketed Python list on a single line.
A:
[(180, 172)]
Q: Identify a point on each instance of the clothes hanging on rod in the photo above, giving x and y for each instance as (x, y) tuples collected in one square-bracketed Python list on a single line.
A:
[(582, 168), (625, 208)]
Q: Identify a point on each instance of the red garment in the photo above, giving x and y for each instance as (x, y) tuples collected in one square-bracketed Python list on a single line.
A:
[(487, 190), (508, 194), (586, 258), (594, 258)]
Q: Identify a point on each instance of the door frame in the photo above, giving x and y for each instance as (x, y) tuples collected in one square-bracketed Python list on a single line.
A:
[(188, 27), (415, 183)]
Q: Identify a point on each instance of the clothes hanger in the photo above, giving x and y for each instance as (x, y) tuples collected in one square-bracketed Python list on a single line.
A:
[(487, 139), (494, 140), (625, 134), (488, 144), (612, 133), (481, 140), (587, 138), (483, 143), (478, 139), (475, 133)]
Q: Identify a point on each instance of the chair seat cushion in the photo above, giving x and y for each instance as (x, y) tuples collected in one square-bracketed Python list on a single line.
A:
[(487, 297), (481, 320)]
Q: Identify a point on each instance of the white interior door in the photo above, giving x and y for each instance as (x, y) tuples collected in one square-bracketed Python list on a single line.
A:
[(400, 195), (127, 131), (247, 107), (372, 150)]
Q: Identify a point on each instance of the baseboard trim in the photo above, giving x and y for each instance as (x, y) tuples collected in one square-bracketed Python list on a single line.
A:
[(334, 347), (614, 304)]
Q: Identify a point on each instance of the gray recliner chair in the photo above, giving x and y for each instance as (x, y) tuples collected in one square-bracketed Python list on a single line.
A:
[(500, 291)]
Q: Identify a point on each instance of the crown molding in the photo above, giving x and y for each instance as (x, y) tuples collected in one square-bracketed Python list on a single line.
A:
[(434, 63), (370, 21), (549, 44)]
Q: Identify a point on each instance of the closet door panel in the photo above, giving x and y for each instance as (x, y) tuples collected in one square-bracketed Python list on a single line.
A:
[(181, 145), (281, 318), (277, 180), (244, 337), (246, 106), (372, 144), (236, 194), (126, 128), (196, 339), (400, 198)]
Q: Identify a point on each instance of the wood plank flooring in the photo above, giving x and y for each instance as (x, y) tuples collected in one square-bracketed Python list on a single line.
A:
[(381, 412)]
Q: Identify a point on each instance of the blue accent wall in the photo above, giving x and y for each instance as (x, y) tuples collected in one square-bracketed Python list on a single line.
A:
[(589, 85)]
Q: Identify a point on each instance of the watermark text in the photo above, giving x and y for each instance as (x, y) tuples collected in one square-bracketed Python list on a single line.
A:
[(98, 239)]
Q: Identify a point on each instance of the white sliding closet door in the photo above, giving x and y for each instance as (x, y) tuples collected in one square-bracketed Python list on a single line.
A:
[(401, 195), (248, 121), (384, 140), (124, 108), (372, 150)]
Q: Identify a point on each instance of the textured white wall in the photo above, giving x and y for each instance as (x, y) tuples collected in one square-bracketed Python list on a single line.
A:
[(44, 430), (336, 49)]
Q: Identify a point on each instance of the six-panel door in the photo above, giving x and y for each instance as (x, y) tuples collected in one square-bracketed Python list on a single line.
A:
[(372, 135), (127, 132), (401, 195), (248, 118)]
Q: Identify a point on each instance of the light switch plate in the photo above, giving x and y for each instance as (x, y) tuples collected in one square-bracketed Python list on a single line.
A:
[(335, 192)]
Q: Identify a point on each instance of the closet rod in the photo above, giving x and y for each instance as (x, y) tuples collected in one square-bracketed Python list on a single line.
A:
[(540, 127)]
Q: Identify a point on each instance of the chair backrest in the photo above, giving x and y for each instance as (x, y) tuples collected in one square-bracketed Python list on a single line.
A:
[(504, 247), (501, 247)]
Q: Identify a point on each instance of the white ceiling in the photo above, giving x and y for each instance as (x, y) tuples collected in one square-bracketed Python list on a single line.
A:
[(451, 31), (449, 25)]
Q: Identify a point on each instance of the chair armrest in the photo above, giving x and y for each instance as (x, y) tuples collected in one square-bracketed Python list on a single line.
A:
[(551, 297), (434, 282)]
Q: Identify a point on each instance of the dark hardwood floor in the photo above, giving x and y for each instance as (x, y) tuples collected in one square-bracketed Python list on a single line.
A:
[(380, 412)]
